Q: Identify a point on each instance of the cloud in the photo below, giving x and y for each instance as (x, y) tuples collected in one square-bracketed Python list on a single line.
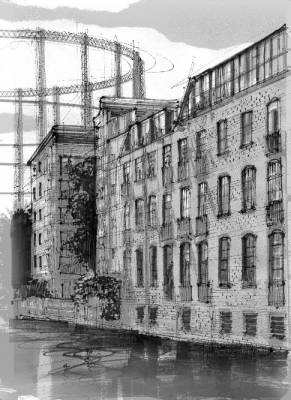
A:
[(92, 5)]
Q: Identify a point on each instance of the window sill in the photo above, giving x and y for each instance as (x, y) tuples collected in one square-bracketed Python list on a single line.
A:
[(224, 153), (247, 285), (220, 215), (248, 210), (246, 145)]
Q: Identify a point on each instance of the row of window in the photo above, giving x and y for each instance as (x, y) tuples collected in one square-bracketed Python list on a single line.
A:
[(249, 249), (248, 187), (39, 191), (250, 319)]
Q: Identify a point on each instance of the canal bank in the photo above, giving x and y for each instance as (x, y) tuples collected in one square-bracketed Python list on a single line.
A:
[(90, 316)]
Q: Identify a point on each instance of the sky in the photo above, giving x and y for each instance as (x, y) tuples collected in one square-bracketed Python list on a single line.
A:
[(176, 38)]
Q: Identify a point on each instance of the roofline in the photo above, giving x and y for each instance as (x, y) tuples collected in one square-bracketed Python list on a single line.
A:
[(53, 133), (282, 28)]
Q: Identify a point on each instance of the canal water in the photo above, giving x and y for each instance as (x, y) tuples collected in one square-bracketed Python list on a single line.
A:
[(51, 361)]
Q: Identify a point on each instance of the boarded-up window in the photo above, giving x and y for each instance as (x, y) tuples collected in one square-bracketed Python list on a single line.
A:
[(186, 318), (250, 324), (140, 314), (153, 313), (277, 326), (225, 322)]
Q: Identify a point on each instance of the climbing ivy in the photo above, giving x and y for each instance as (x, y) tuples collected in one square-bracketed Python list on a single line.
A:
[(105, 288), (82, 207)]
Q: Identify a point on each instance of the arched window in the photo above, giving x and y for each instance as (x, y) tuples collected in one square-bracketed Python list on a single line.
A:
[(249, 260), (185, 279), (248, 188), (276, 248), (139, 267), (224, 195), (223, 266), (276, 269)]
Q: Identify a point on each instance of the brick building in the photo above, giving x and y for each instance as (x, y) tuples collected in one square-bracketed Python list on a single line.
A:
[(196, 217), (53, 192), (191, 204)]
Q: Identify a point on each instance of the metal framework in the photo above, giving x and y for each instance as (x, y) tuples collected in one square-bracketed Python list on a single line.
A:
[(86, 88)]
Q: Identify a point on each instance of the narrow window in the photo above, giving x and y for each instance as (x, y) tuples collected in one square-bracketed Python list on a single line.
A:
[(126, 216), (139, 211), (186, 319), (138, 169), (273, 128), (167, 208), (34, 216), (40, 189), (250, 324), (246, 128), (248, 188), (34, 193), (185, 279), (153, 313), (35, 261), (126, 261), (39, 215), (168, 272), (223, 263), (224, 195), (225, 322), (126, 173), (222, 137), (249, 260), (182, 151), (34, 239), (167, 156), (139, 267), (203, 285), (140, 314), (39, 238), (202, 196), (39, 166), (200, 144), (274, 181), (153, 265), (276, 246), (152, 216), (152, 164), (40, 261), (185, 200)]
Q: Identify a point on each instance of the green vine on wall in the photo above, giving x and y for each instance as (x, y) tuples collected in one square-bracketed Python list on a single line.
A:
[(106, 289), (82, 207)]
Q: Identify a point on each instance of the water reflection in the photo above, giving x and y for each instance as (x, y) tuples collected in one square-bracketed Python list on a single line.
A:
[(49, 361)]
